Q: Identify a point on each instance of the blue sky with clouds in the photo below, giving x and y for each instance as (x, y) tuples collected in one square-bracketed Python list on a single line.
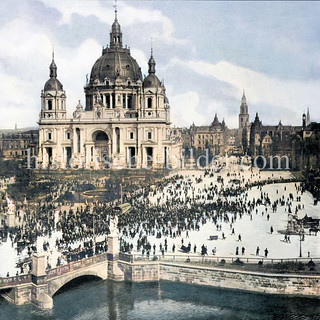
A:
[(206, 51)]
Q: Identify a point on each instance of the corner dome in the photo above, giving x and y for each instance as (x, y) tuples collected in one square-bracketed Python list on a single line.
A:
[(151, 81), (53, 84), (115, 64)]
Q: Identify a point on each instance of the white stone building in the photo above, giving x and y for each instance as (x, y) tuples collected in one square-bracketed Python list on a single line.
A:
[(126, 119)]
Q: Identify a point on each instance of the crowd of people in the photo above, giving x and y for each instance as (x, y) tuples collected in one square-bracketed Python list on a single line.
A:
[(166, 209)]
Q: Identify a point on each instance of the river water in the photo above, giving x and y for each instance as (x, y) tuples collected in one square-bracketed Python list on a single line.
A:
[(95, 300)]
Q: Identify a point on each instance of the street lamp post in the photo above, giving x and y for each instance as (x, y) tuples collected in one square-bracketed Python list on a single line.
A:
[(301, 238), (94, 233)]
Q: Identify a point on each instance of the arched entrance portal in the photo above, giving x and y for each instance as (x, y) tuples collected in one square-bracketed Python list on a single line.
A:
[(101, 145)]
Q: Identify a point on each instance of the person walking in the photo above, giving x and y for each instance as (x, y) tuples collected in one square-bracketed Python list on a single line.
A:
[(271, 229), (266, 252), (237, 251), (257, 251)]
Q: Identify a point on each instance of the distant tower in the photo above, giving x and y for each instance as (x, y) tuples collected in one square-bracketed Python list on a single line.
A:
[(255, 132), (243, 115), (304, 120), (308, 121)]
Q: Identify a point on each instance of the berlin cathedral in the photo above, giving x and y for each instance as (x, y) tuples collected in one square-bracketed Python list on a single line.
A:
[(125, 121)]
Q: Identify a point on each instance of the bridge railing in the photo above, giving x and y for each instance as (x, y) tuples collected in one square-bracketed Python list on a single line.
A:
[(126, 257), (12, 281), (218, 260), (76, 265)]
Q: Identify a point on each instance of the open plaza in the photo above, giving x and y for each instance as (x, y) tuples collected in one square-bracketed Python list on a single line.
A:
[(228, 213)]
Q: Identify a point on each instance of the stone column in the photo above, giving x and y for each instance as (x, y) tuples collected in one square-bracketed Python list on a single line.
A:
[(114, 272), (38, 265), (114, 142), (86, 157), (74, 149), (40, 288)]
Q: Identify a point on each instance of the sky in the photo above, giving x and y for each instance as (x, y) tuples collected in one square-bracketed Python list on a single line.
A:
[(207, 52)]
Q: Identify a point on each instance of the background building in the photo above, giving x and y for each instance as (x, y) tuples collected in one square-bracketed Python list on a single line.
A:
[(212, 137), (14, 144)]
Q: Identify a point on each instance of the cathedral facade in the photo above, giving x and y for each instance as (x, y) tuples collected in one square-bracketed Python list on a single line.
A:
[(125, 121)]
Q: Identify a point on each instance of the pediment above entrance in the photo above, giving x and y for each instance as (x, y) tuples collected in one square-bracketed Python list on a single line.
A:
[(49, 143), (149, 143)]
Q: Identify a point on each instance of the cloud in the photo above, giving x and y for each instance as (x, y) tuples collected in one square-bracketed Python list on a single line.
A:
[(20, 65), (141, 58), (196, 87), (73, 66), (16, 104), (25, 69), (291, 97), (185, 109), (128, 15)]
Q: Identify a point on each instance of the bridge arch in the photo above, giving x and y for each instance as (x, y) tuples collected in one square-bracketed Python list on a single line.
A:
[(74, 283), (57, 283)]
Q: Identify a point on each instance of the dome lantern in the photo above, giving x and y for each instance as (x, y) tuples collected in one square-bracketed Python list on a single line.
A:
[(152, 64), (53, 67), (115, 34)]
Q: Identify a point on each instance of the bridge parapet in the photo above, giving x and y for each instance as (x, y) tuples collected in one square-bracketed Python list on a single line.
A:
[(126, 257), (13, 281), (75, 265)]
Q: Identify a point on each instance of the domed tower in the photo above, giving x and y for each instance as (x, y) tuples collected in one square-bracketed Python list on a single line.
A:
[(155, 102), (53, 97), (115, 78)]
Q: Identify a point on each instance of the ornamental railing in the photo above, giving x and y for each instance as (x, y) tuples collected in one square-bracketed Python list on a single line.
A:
[(76, 265), (12, 281)]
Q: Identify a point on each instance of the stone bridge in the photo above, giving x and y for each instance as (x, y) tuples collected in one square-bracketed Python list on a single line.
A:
[(40, 286)]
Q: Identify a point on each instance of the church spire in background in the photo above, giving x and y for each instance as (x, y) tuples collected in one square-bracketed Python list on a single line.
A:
[(308, 121)]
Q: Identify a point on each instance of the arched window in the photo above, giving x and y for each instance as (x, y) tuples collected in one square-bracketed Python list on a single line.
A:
[(61, 104), (149, 102), (49, 104), (49, 135)]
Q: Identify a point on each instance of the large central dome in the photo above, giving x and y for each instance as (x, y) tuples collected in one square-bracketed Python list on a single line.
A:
[(116, 61)]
